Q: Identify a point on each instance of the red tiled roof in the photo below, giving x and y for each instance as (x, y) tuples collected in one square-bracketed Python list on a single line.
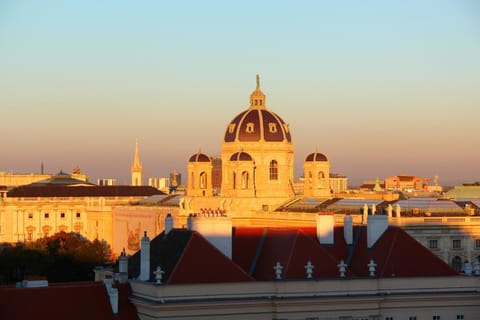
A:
[(202, 262), (186, 257), (395, 253), (256, 250), (78, 300), (293, 248)]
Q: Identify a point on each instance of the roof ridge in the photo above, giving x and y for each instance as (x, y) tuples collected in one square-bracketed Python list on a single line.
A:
[(180, 258), (390, 250), (292, 250), (258, 252), (353, 246), (190, 241)]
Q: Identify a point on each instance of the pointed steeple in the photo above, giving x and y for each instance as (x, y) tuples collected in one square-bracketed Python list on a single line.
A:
[(136, 168), (257, 98)]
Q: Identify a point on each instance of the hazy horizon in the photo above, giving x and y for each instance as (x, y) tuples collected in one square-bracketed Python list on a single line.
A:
[(381, 88)]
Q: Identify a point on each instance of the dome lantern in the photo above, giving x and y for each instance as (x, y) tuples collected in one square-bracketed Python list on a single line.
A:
[(257, 98)]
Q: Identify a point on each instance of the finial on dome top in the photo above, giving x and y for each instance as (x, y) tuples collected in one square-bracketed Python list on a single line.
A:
[(257, 98)]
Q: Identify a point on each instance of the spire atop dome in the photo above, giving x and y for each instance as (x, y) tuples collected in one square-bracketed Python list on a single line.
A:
[(257, 98)]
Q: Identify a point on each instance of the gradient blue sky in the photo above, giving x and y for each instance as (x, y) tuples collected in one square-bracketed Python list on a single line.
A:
[(381, 87)]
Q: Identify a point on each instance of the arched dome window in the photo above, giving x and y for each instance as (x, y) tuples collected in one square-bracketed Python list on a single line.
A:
[(321, 179), (273, 170), (244, 180), (203, 180)]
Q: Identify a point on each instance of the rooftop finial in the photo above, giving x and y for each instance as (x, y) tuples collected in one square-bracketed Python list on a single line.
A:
[(257, 98)]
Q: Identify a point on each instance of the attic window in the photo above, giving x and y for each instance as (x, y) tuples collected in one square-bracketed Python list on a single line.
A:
[(78, 215), (46, 215), (62, 215), (30, 216)]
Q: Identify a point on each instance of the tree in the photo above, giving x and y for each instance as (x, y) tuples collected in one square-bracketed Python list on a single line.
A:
[(61, 257)]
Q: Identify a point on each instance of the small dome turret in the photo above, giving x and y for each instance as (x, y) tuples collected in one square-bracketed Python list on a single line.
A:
[(316, 157), (199, 157)]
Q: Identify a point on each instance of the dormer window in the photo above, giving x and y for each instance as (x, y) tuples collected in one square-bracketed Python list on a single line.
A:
[(250, 127)]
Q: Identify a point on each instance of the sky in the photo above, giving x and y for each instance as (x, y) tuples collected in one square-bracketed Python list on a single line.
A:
[(380, 87)]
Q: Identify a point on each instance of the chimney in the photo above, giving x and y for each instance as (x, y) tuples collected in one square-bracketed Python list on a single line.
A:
[(112, 295), (390, 210), (189, 222), (216, 229), (348, 229), (325, 225), (376, 226), (145, 258), (365, 214), (168, 223), (123, 267)]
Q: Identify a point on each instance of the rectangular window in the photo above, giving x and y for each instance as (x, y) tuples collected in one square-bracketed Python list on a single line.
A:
[(412, 318), (62, 215), (46, 215), (388, 318), (30, 216), (78, 215), (460, 317), (436, 318), (433, 244), (477, 243), (457, 244)]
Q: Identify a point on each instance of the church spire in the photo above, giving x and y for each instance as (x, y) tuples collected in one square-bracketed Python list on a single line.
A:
[(136, 168), (257, 98)]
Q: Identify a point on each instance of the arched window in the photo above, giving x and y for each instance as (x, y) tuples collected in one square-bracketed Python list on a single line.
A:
[(234, 180), (193, 181), (273, 170), (244, 180), (321, 179), (203, 180), (457, 263)]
